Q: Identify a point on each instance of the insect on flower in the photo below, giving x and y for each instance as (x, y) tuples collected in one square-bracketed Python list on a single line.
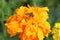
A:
[(29, 15)]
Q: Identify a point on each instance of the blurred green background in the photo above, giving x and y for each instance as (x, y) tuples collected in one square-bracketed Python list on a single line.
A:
[(8, 7)]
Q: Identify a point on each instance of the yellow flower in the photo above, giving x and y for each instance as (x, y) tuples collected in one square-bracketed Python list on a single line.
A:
[(56, 31), (30, 22)]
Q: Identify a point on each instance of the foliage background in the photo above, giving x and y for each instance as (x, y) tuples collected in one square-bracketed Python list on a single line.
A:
[(7, 8)]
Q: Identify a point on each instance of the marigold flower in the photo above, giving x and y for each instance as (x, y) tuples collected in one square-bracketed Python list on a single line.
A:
[(56, 31), (30, 22)]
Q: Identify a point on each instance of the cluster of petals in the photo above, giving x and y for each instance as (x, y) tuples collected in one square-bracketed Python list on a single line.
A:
[(30, 22), (56, 31)]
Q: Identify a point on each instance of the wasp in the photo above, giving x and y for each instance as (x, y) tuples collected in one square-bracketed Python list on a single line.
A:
[(29, 15)]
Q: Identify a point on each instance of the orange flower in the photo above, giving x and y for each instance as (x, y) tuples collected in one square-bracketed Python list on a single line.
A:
[(30, 22)]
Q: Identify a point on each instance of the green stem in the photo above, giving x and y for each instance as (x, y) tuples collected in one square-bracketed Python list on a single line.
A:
[(34, 3), (3, 30), (3, 27)]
